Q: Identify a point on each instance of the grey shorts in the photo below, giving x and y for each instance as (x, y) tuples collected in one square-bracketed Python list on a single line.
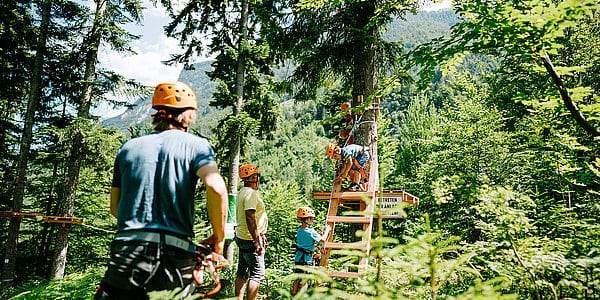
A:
[(142, 266), (250, 264)]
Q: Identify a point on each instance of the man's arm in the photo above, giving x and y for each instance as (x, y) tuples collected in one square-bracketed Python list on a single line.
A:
[(346, 165), (115, 195), (253, 229), (216, 204)]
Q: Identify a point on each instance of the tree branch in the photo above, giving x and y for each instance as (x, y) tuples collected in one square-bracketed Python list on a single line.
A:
[(567, 100)]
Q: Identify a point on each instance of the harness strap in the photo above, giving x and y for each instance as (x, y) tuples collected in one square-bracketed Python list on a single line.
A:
[(360, 168), (305, 251)]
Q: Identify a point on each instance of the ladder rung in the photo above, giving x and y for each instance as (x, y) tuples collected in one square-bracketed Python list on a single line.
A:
[(342, 274), (354, 246), (345, 196), (356, 220)]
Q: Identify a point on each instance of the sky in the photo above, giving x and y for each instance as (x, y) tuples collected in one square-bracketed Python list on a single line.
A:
[(154, 47)]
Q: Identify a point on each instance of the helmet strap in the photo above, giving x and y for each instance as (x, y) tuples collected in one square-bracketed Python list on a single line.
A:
[(305, 221), (252, 183)]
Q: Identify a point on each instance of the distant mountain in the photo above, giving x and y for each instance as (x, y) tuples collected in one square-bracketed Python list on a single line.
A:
[(140, 113), (420, 28), (412, 30)]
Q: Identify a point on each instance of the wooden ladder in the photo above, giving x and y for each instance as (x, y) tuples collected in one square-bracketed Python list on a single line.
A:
[(363, 203)]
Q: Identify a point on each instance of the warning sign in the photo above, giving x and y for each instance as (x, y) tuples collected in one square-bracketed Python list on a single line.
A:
[(389, 203)]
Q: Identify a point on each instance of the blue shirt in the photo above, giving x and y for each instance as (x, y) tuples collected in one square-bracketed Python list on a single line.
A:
[(306, 238), (356, 151), (157, 177), (352, 150)]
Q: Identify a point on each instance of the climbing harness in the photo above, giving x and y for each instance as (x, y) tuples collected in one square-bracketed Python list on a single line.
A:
[(207, 261)]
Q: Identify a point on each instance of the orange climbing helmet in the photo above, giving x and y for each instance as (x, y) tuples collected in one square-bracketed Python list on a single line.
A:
[(345, 106), (305, 212), (174, 95), (330, 151), (248, 170)]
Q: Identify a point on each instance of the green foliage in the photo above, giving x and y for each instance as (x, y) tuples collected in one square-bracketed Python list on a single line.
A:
[(296, 153), (386, 150), (525, 34), (316, 35), (73, 286), (510, 185), (540, 267), (281, 201)]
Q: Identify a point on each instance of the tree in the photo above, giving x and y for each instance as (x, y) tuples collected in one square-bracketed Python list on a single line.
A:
[(58, 71), (338, 45), (26, 140), (528, 30), (229, 30), (241, 69), (100, 28), (14, 68)]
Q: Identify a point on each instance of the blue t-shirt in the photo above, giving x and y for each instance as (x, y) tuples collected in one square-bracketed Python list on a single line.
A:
[(356, 151), (306, 238), (157, 177), (352, 150)]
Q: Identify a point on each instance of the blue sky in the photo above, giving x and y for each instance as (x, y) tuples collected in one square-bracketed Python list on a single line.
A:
[(152, 48)]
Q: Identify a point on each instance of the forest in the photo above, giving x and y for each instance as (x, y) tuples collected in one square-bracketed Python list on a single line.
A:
[(489, 114)]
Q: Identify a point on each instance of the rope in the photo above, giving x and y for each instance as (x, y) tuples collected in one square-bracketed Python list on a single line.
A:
[(354, 126), (114, 231), (100, 229)]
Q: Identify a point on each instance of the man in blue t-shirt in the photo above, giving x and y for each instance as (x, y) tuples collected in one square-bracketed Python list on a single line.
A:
[(152, 197), (354, 159), (306, 239)]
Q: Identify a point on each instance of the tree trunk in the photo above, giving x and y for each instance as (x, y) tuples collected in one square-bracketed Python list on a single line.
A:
[(234, 159), (25, 146), (76, 155), (45, 239), (365, 80)]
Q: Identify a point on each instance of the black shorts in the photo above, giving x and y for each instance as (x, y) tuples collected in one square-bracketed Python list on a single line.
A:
[(141, 266)]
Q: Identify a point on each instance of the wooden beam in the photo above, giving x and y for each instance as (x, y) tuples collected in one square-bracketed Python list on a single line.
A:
[(18, 214), (343, 274), (354, 220), (63, 220), (346, 246)]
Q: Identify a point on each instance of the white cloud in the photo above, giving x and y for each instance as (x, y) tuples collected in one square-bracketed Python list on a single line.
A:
[(438, 5), (152, 48)]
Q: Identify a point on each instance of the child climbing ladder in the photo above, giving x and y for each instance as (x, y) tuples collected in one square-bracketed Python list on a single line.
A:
[(306, 240)]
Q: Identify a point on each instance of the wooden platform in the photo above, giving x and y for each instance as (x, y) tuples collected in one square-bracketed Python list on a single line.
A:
[(399, 196), (47, 219), (18, 214)]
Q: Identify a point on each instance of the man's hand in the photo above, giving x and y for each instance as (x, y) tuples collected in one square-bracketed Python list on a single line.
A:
[(216, 244), (264, 241)]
